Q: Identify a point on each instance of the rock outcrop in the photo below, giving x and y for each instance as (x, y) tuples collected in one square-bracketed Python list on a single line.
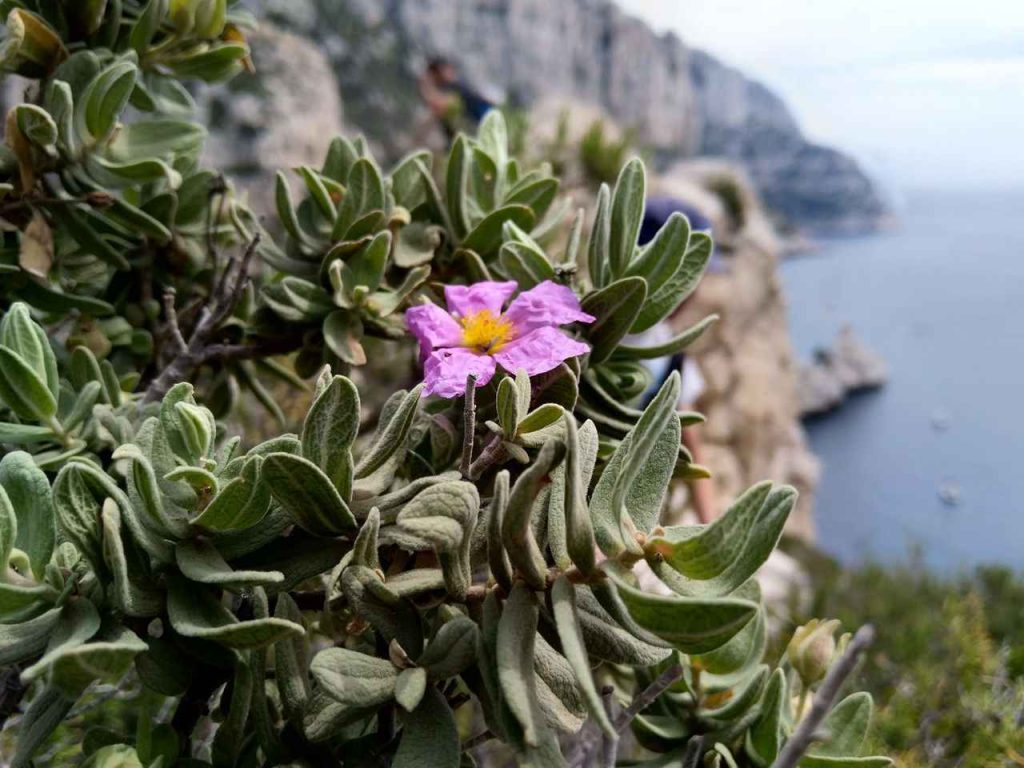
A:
[(681, 101), (282, 118), (849, 366)]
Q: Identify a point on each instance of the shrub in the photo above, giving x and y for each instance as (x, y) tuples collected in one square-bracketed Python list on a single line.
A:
[(946, 669), (338, 595)]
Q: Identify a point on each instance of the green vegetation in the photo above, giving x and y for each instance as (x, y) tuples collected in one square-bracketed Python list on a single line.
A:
[(947, 670), (413, 571)]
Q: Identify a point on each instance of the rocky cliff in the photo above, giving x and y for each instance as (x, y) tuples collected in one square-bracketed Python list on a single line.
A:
[(681, 101)]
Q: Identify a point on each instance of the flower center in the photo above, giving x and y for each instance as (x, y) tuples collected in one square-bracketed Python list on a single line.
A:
[(486, 331)]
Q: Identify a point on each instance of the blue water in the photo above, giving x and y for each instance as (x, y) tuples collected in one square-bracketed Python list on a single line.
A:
[(942, 299)]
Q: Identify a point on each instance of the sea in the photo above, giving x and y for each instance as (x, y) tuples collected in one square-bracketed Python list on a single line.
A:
[(932, 465)]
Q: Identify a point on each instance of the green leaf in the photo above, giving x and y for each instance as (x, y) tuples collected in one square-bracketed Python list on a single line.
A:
[(538, 194), (563, 601), (47, 711), (639, 473), (716, 559), (107, 658), (417, 243), (444, 516), (430, 738), (691, 625), (606, 639), (616, 307), (392, 435), (456, 182), (662, 301), (343, 333), (240, 503), (734, 660), (540, 418), (486, 236), (23, 390), (661, 257), (357, 682), (847, 727), (600, 236), (29, 492), (517, 534), (452, 650), (670, 347), (525, 264), (627, 213), (517, 633), (26, 639), (291, 663), (307, 494), (25, 434), (330, 428), (364, 193), (195, 612), (570, 531), (78, 514), (130, 591), (765, 737), (99, 107), (200, 561), (507, 402), (410, 687), (147, 25), (79, 621)]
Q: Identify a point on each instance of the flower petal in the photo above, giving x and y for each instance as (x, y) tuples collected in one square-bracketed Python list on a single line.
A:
[(433, 327), (466, 299), (446, 370), (539, 351), (547, 303)]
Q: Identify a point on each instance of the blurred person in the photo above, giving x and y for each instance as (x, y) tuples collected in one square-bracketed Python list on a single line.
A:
[(657, 211), (452, 102)]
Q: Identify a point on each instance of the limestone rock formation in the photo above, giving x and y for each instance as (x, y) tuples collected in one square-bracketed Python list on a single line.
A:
[(681, 101), (282, 117), (847, 367)]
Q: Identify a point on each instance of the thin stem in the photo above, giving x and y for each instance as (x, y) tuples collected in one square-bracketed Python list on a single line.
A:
[(609, 744), (647, 697), (211, 317), (824, 699), (694, 750), (180, 346), (475, 741), (493, 453), (468, 425)]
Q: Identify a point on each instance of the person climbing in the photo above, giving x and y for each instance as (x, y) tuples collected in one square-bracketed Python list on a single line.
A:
[(451, 101), (657, 211)]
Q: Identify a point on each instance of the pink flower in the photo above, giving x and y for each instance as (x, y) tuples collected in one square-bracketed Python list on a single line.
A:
[(475, 336)]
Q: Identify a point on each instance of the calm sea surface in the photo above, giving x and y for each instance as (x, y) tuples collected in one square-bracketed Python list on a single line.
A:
[(942, 299)]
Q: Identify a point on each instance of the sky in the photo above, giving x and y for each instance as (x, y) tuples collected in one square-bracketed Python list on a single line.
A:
[(926, 93)]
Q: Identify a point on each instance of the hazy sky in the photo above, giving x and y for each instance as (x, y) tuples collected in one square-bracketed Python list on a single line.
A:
[(926, 92)]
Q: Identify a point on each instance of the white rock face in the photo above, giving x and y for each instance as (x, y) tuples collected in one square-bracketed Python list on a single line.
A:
[(681, 101)]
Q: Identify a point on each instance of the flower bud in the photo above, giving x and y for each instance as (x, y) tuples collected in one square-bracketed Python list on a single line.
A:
[(812, 649)]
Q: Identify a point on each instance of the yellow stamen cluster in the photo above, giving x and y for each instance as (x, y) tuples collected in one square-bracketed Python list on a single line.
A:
[(486, 331)]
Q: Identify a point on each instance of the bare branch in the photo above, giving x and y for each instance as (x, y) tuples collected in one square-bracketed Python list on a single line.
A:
[(824, 698), (173, 327), (468, 426), (647, 697), (609, 744), (197, 350)]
